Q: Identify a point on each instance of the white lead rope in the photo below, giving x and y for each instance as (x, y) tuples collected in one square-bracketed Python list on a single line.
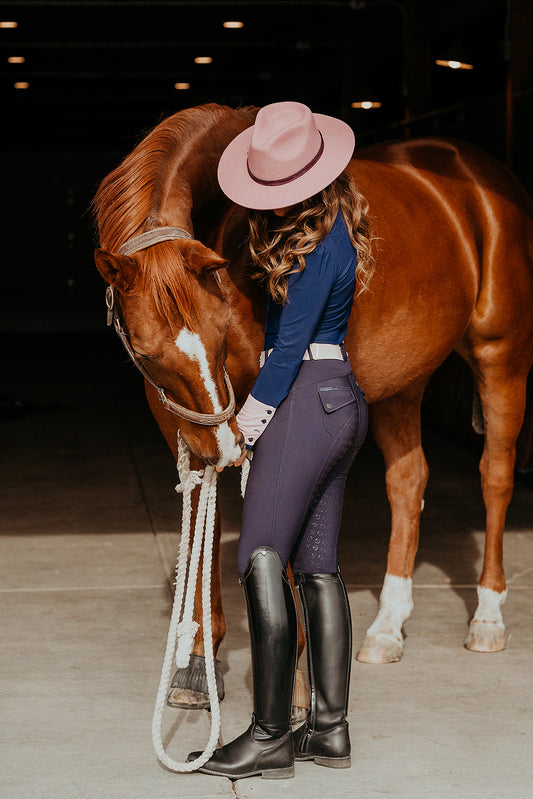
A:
[(184, 631), (245, 471)]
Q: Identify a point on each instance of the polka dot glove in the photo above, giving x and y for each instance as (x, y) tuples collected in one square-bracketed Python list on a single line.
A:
[(252, 419)]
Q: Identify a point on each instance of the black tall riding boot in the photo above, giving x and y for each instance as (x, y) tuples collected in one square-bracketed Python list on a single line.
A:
[(266, 748), (324, 737)]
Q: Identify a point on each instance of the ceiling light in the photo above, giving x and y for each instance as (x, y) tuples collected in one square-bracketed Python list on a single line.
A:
[(8, 24), (203, 59), (233, 24), (16, 59), (182, 86), (21, 84), (366, 104), (453, 64)]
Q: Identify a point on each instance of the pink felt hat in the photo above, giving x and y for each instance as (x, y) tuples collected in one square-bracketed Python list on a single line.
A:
[(290, 154)]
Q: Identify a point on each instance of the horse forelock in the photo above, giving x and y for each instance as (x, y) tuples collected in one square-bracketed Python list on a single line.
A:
[(164, 277)]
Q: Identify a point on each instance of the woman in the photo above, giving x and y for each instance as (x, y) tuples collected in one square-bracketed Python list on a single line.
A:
[(305, 419)]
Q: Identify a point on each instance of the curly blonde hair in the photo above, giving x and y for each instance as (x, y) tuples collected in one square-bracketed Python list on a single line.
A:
[(276, 245)]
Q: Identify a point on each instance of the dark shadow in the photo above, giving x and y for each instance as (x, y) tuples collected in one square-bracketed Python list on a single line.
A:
[(453, 509)]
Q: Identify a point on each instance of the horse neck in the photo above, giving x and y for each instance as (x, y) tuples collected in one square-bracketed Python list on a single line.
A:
[(190, 190)]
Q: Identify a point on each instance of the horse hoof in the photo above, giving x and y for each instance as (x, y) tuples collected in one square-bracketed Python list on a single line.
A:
[(300, 700), (187, 699), (380, 649), (189, 688), (298, 715), (485, 637)]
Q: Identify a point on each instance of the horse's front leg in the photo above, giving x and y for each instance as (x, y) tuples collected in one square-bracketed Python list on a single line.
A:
[(396, 430), (189, 685)]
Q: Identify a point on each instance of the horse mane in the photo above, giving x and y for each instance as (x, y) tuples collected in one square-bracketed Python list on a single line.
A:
[(127, 201)]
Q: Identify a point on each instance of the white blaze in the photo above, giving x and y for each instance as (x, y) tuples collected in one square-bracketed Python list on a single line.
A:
[(191, 345)]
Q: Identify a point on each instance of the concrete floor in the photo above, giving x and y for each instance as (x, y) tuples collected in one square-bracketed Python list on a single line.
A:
[(89, 520)]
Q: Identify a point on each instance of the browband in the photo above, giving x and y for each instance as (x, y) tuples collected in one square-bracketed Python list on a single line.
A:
[(152, 237)]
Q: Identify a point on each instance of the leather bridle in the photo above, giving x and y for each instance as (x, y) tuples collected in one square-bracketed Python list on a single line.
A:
[(114, 318)]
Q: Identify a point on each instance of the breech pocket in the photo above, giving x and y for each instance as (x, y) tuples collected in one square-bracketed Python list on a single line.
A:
[(339, 404), (335, 397)]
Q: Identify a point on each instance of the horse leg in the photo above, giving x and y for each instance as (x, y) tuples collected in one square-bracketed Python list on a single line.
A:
[(301, 703), (503, 398), (396, 429), (186, 682), (188, 687)]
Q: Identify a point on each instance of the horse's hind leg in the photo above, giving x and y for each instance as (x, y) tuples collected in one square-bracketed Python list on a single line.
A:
[(503, 394), (396, 430)]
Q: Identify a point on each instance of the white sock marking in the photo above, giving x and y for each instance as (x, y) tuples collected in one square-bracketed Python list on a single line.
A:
[(395, 606), (488, 610)]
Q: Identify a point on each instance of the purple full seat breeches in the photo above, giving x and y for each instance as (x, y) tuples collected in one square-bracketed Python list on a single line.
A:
[(295, 489)]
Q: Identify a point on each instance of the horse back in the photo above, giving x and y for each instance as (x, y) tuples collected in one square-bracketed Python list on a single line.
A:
[(453, 244)]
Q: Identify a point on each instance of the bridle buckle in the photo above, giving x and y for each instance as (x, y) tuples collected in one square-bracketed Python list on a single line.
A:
[(110, 302)]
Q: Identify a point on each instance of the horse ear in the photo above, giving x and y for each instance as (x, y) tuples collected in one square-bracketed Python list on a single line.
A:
[(117, 270), (199, 257)]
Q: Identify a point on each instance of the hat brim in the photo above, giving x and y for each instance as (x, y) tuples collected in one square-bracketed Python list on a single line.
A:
[(239, 186)]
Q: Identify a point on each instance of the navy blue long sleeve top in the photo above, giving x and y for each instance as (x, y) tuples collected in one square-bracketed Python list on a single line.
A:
[(318, 306)]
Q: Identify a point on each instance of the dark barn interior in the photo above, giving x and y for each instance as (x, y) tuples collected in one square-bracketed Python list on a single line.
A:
[(84, 466), (102, 73)]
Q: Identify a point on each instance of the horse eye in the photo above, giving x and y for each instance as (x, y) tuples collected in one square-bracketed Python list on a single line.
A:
[(144, 357)]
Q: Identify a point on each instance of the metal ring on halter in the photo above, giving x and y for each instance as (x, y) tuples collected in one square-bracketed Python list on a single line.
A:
[(133, 245)]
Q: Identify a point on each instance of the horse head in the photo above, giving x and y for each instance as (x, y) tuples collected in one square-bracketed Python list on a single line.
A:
[(168, 308)]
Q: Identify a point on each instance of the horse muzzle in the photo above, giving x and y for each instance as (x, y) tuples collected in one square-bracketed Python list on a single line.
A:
[(220, 445)]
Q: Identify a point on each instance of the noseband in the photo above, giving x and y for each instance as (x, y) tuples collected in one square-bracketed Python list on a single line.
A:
[(113, 317)]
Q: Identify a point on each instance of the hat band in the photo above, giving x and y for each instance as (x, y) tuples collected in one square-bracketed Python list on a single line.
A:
[(298, 174)]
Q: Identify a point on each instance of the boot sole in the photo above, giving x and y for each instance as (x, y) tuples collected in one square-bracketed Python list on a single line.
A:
[(265, 774), (329, 762)]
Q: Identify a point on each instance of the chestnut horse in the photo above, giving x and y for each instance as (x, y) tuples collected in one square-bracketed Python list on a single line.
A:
[(454, 252)]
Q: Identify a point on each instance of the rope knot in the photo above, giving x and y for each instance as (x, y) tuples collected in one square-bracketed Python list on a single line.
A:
[(189, 480)]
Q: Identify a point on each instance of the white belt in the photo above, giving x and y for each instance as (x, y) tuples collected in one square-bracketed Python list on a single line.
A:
[(315, 351)]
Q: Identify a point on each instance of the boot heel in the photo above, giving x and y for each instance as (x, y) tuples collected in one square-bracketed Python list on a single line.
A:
[(278, 773), (334, 762)]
